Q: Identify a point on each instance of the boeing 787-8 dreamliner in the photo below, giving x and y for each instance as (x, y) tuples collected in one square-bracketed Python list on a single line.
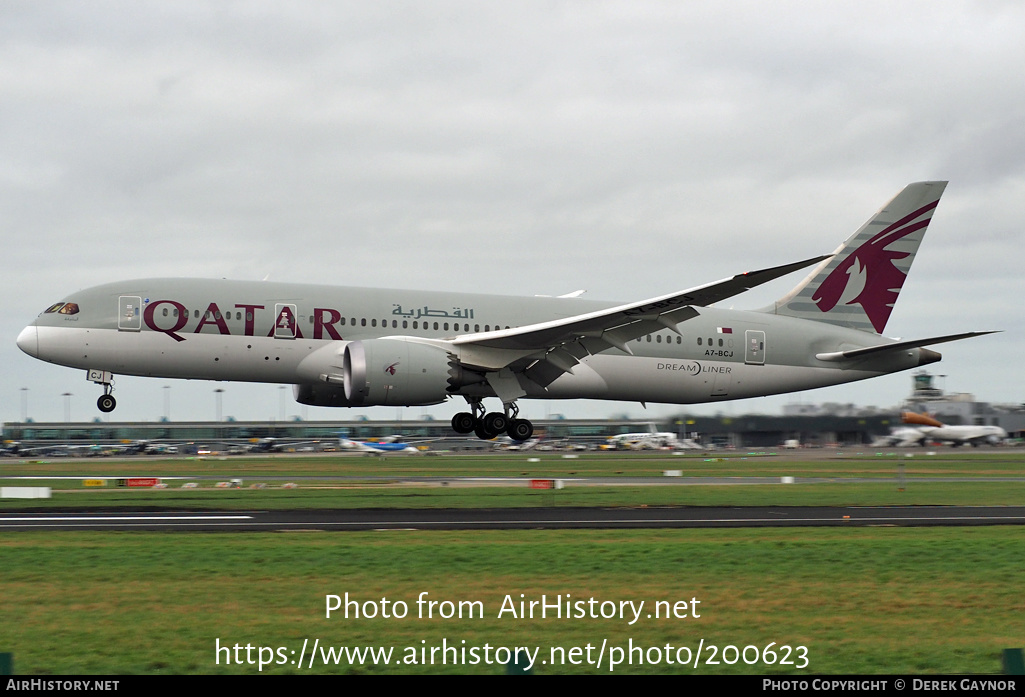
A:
[(355, 347)]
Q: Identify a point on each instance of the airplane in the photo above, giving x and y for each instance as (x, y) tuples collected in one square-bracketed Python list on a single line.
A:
[(507, 443), (138, 447), (651, 440), (265, 445), (10, 448), (902, 437), (391, 444), (928, 429), (359, 347)]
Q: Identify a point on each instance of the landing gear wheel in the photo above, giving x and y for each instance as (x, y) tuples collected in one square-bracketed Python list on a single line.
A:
[(520, 429), (106, 403), (463, 422), (481, 432), (495, 423)]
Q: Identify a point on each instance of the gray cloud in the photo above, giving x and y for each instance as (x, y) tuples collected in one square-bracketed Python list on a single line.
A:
[(628, 148)]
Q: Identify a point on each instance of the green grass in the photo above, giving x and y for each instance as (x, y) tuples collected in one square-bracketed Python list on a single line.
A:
[(865, 600), (852, 463), (377, 496), (861, 600), (388, 491)]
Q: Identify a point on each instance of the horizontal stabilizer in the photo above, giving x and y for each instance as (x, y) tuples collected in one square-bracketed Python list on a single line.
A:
[(895, 346)]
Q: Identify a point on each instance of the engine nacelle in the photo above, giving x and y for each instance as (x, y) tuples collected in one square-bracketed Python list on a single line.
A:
[(321, 395), (395, 372)]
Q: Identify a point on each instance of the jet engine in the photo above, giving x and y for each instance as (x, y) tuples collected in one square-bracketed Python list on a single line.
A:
[(320, 395), (395, 372)]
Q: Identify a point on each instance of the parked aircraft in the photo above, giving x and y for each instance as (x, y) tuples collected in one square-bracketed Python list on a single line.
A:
[(266, 445), (507, 443), (10, 448), (138, 447), (355, 347), (929, 429), (391, 444), (651, 440)]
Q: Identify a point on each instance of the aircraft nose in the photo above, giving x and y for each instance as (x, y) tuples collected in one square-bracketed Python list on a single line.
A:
[(28, 341)]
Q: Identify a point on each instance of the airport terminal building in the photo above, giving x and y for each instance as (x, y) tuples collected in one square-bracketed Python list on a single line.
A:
[(719, 431), (831, 425)]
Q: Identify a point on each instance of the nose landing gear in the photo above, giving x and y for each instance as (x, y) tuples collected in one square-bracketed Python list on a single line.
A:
[(106, 402)]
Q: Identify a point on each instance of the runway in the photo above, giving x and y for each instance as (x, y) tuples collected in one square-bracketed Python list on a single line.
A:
[(519, 518)]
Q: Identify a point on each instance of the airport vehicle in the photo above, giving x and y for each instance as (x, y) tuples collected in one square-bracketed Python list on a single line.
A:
[(351, 347), (924, 429)]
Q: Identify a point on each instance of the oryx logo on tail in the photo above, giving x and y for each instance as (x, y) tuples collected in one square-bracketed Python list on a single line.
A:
[(859, 284), (870, 276)]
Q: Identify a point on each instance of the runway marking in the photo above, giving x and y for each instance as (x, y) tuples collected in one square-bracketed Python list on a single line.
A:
[(5, 519), (616, 521), (408, 525)]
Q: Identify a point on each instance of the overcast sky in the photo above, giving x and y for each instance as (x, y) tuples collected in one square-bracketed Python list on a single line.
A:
[(628, 148)]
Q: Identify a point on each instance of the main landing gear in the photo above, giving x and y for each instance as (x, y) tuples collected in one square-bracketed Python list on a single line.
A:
[(106, 402), (488, 426)]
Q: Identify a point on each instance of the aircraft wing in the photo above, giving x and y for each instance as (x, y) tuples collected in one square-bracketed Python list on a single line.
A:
[(617, 325), (548, 349)]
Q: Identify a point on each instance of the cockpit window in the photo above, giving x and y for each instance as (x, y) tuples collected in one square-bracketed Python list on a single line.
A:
[(63, 309)]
